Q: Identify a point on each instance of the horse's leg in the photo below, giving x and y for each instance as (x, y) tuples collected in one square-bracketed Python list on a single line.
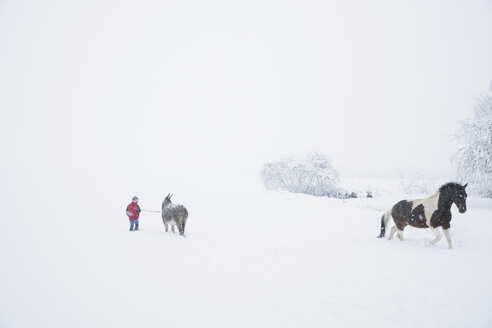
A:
[(438, 235), (448, 237), (393, 230), (400, 235)]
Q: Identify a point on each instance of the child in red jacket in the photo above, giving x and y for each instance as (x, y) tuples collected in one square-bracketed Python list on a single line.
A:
[(133, 212)]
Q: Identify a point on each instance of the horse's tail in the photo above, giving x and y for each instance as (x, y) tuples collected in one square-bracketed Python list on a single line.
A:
[(384, 222)]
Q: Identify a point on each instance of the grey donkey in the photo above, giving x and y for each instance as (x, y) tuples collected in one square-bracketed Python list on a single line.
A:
[(174, 215)]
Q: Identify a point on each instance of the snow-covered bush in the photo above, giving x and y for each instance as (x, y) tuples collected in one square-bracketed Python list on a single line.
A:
[(414, 184), (313, 175), (474, 160)]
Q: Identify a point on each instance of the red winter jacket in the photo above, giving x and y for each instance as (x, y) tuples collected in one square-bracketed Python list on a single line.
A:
[(133, 211)]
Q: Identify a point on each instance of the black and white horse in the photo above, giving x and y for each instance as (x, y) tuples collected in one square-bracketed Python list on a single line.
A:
[(432, 212)]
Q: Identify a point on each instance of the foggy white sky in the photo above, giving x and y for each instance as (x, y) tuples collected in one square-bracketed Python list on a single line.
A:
[(200, 86)]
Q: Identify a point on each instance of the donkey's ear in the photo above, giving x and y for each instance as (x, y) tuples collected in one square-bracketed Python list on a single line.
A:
[(466, 184), (170, 195)]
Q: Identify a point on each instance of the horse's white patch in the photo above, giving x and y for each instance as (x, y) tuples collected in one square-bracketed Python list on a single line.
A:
[(430, 206), (448, 238)]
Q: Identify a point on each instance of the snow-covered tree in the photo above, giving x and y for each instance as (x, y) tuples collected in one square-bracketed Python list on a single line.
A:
[(313, 175), (474, 160)]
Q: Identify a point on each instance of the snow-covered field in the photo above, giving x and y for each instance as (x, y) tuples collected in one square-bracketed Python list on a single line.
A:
[(251, 258), (103, 100)]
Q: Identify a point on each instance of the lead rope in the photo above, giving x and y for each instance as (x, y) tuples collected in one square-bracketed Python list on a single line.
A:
[(151, 211)]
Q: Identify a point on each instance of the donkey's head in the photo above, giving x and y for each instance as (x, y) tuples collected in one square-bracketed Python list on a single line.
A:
[(457, 194), (167, 200)]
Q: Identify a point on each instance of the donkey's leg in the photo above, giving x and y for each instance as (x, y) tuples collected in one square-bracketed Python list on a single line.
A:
[(183, 225), (166, 225), (392, 233), (172, 227), (437, 233), (448, 237)]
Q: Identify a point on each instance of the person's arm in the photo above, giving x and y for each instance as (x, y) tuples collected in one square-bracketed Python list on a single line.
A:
[(138, 209)]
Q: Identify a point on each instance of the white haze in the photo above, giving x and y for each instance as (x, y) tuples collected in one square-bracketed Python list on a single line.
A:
[(215, 87)]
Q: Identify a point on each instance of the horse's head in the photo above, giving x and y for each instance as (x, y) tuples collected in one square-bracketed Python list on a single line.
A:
[(459, 197)]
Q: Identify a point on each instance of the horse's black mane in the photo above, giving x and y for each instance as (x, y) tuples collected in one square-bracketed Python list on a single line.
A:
[(450, 186)]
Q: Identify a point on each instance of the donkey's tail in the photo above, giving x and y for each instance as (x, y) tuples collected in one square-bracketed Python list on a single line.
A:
[(384, 222)]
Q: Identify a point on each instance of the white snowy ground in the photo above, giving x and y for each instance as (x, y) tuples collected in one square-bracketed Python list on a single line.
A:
[(251, 258)]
